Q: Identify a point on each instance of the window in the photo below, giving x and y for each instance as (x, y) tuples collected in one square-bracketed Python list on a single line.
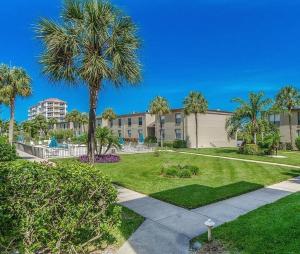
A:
[(140, 121), (129, 133), (129, 122), (298, 118), (162, 120), (120, 122), (119, 133), (177, 134), (178, 118), (274, 118)]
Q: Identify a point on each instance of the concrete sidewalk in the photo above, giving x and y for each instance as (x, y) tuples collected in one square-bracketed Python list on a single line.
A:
[(29, 157), (168, 228)]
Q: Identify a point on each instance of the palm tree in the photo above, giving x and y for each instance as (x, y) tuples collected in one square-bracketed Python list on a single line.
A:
[(73, 117), (41, 124), (14, 82), (287, 99), (94, 43), (248, 114), (195, 103), (84, 119), (159, 106), (52, 122), (109, 114)]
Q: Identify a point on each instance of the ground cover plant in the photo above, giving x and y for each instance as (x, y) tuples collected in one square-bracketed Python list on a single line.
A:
[(179, 170), (218, 179), (101, 158), (69, 208), (274, 228)]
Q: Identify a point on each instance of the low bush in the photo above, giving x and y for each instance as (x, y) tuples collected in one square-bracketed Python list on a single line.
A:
[(178, 143), (297, 143), (81, 139), (150, 140), (178, 170), (61, 135), (288, 146), (68, 208), (101, 158), (250, 149), (7, 151)]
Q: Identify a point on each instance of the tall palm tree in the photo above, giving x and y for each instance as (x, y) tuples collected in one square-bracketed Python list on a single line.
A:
[(159, 106), (84, 119), (73, 117), (109, 114), (287, 99), (195, 103), (94, 43), (249, 113), (15, 82)]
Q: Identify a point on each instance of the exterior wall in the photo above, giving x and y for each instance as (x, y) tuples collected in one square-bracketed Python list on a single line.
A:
[(211, 130)]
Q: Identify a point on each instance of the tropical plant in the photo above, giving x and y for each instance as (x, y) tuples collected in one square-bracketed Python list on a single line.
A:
[(159, 106), (52, 122), (29, 128), (41, 124), (272, 140), (248, 114), (95, 43), (109, 115), (84, 120), (287, 99), (7, 150), (14, 82), (195, 103), (297, 142), (105, 137)]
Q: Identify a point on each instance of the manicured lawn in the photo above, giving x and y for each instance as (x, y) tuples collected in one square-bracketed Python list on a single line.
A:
[(292, 157), (274, 228), (218, 179)]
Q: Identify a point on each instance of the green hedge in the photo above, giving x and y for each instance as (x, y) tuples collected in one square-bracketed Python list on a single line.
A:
[(250, 149), (64, 209), (7, 151), (297, 143)]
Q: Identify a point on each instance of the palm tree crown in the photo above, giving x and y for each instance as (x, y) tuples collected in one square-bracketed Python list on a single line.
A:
[(14, 82), (95, 42), (109, 114), (195, 103)]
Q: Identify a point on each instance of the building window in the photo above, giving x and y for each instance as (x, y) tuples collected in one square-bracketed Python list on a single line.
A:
[(129, 122), (178, 118), (275, 119), (177, 134), (120, 122), (119, 133), (162, 120), (140, 121), (298, 118), (129, 133)]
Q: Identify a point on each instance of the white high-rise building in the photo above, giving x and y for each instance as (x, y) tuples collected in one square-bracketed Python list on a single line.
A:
[(50, 108)]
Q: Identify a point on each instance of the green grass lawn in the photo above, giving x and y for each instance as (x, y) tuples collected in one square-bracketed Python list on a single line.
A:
[(218, 179), (292, 157), (274, 228)]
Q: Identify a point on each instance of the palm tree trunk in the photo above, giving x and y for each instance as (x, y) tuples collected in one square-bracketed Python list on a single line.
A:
[(92, 123), (290, 126), (196, 121), (11, 121)]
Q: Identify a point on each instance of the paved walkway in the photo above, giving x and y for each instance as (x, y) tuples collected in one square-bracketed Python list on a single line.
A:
[(234, 158), (29, 157), (168, 228)]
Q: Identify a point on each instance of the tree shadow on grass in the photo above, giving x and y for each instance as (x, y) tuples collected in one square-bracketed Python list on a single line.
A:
[(192, 196)]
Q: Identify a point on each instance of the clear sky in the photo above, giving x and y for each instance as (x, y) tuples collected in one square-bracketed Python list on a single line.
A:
[(221, 48)]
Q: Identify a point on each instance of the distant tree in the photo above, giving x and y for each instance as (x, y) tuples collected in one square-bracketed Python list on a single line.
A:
[(287, 99), (14, 82), (41, 124), (195, 103), (159, 106), (84, 120), (52, 122), (94, 43), (248, 114), (73, 117), (109, 114)]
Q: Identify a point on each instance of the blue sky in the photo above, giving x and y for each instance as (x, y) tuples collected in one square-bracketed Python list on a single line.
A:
[(222, 48)]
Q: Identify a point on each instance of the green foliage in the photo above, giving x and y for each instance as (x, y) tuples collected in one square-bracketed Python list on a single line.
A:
[(195, 103), (178, 170), (109, 114), (271, 142), (7, 151), (106, 137), (288, 146), (156, 153), (178, 143), (81, 139), (297, 143), (250, 149), (64, 209), (150, 140), (61, 135)]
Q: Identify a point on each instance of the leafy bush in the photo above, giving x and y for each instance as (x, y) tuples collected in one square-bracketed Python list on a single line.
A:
[(178, 143), (150, 140), (297, 143), (64, 209), (156, 153), (101, 158), (250, 149), (61, 135), (7, 151), (288, 146), (82, 139), (178, 170), (168, 144)]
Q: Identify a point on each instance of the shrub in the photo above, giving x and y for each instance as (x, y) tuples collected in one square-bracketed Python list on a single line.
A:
[(288, 146), (101, 158), (250, 149), (168, 144), (178, 170), (178, 143), (81, 139), (64, 209), (297, 143), (150, 140), (7, 151), (61, 135), (156, 153)]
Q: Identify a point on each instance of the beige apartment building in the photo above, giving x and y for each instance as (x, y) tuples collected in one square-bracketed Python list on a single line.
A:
[(282, 122), (49, 108), (175, 125)]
